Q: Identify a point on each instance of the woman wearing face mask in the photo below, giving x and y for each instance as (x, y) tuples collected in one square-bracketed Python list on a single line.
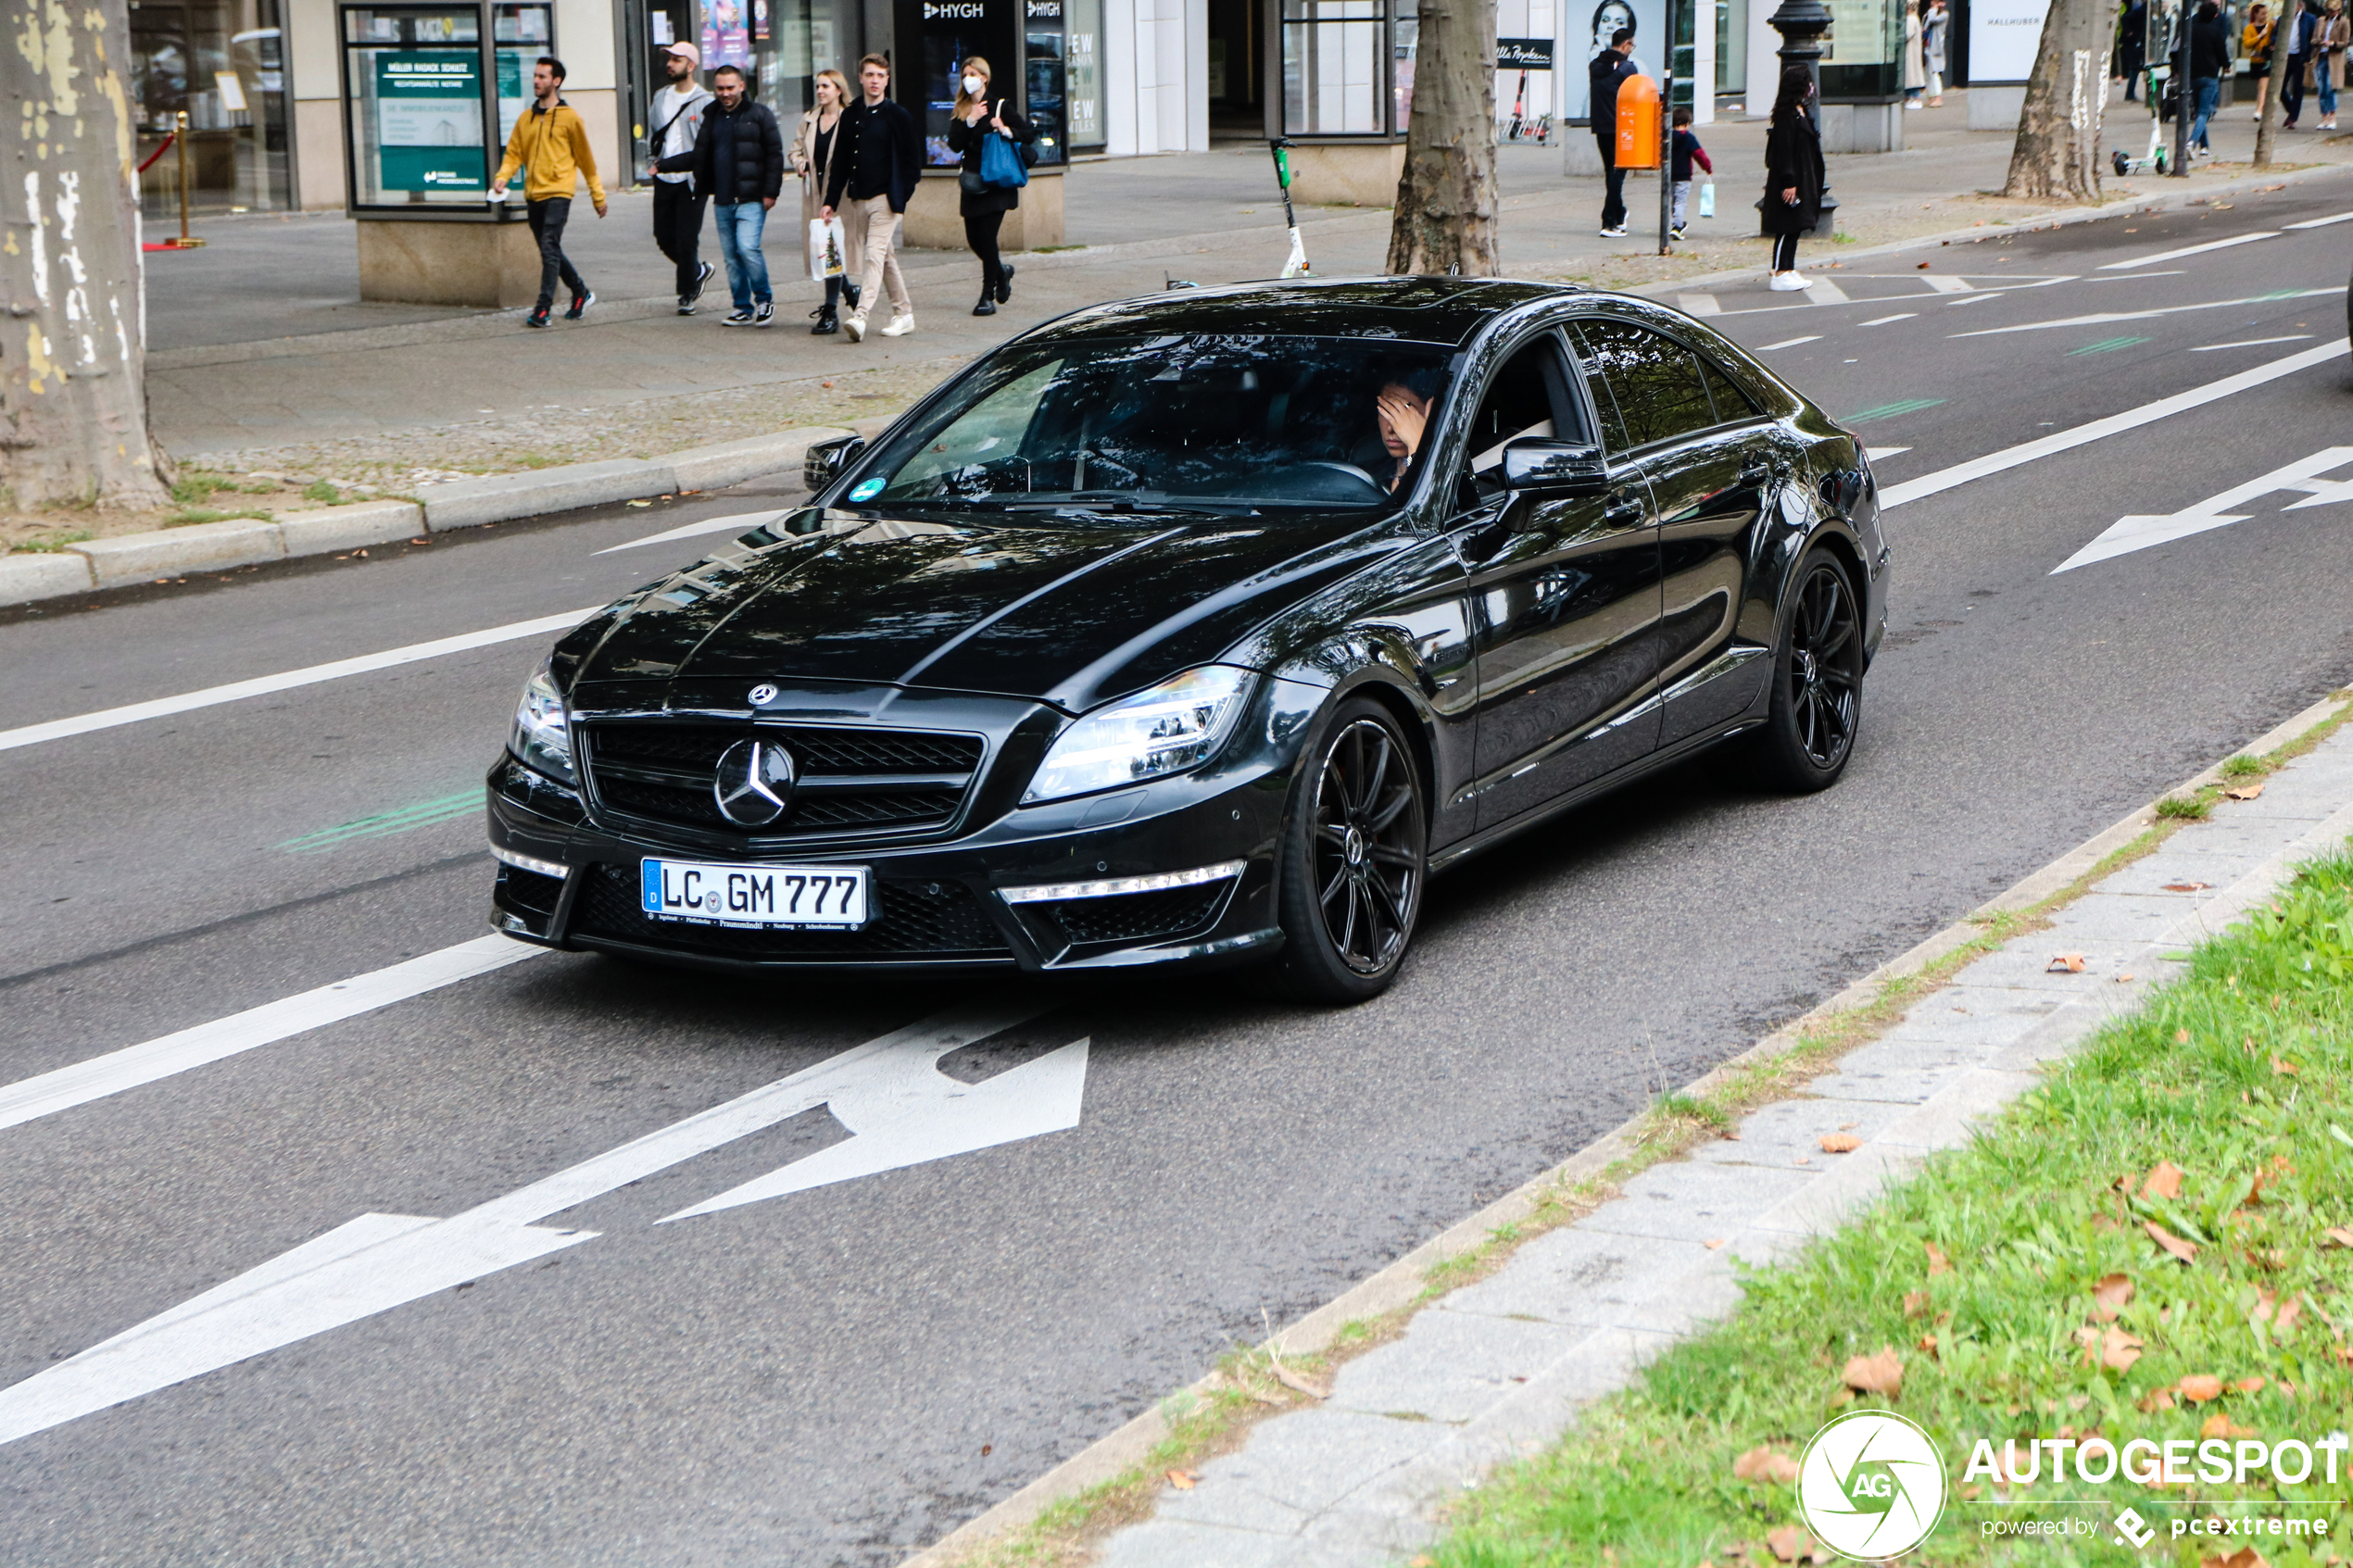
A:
[(977, 117), (812, 158), (1794, 175)]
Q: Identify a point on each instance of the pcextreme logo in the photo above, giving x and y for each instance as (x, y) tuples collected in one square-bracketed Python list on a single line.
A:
[(1870, 1486)]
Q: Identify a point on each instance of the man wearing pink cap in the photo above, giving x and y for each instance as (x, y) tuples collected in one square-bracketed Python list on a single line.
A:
[(677, 121)]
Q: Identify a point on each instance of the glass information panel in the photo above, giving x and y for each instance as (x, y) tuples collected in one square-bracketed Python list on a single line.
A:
[(1862, 53), (1335, 76), (1046, 80), (1084, 81)]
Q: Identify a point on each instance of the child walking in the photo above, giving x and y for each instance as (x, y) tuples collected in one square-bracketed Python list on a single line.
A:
[(1687, 152)]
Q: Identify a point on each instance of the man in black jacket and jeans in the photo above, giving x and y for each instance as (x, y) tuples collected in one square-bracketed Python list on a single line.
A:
[(1607, 69), (880, 160), (740, 159)]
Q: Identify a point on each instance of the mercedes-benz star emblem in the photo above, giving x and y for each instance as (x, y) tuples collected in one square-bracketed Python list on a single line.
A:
[(754, 784), (763, 695)]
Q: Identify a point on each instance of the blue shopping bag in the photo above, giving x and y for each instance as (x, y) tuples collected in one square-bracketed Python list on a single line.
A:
[(1001, 163)]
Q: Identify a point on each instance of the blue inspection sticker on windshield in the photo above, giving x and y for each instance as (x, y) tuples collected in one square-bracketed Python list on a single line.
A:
[(866, 489)]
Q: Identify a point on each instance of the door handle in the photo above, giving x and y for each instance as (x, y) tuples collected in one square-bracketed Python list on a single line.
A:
[(1622, 513), (1758, 467)]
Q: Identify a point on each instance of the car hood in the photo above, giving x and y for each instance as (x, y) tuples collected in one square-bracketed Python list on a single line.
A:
[(1069, 614)]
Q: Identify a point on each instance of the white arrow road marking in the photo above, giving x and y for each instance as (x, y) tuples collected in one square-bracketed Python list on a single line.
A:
[(2100, 317), (236, 691), (2131, 534), (378, 1262), (2099, 429), (49, 1093), (2190, 250), (742, 522)]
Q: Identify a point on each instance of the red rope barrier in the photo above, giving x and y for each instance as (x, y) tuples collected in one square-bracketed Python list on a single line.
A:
[(159, 151)]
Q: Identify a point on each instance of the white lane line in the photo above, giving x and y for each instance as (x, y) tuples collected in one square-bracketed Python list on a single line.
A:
[(48, 1093), (2136, 277), (2100, 317), (2098, 430), (2320, 223), (236, 691), (2190, 250), (1821, 291), (1991, 289), (742, 522), (1882, 320), (1700, 304), (1945, 282), (2250, 343), (1791, 343), (1880, 452)]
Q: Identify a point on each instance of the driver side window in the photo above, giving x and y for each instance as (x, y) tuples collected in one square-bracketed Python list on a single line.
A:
[(1528, 397)]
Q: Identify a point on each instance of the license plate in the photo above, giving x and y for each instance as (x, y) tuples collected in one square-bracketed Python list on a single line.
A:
[(707, 894)]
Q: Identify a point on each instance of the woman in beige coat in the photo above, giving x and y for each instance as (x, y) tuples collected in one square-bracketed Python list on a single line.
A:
[(2330, 40), (812, 152)]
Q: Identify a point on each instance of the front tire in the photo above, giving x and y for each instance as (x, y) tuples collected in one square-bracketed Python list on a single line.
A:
[(1818, 681), (1355, 857)]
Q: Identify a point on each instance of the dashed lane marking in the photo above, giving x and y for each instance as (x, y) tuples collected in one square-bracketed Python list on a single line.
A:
[(740, 522), (1791, 343), (2190, 250), (1946, 282), (2248, 343), (2320, 223), (1882, 320), (1822, 290), (2099, 318), (1700, 304)]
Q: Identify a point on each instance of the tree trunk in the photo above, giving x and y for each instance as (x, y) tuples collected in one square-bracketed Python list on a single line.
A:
[(73, 391), (1445, 217), (2057, 156), (2267, 124)]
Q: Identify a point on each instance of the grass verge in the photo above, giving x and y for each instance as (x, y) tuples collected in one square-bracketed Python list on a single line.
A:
[(2023, 1285)]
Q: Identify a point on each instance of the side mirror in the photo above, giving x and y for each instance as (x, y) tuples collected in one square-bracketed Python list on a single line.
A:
[(824, 461), (1537, 466)]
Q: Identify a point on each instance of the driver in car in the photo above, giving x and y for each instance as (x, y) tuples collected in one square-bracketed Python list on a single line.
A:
[(1401, 410)]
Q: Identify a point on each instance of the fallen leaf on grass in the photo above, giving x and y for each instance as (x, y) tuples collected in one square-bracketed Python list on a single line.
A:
[(2246, 1557), (2220, 1426), (2185, 1250), (1882, 1373), (1764, 1464), (2065, 963), (2154, 1401), (2112, 1346), (1183, 1480), (2284, 1324), (2286, 1068), (2336, 1235), (1915, 1303), (1928, 1344), (2164, 1182), (1787, 1542), (2249, 1386), (1300, 1384), (1840, 1143), (2199, 1387), (2244, 792), (1939, 1264)]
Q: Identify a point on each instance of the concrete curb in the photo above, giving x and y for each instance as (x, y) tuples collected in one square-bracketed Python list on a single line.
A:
[(1397, 1285), (218, 546)]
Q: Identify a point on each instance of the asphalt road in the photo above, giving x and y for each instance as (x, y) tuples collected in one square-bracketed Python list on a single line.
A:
[(842, 1375)]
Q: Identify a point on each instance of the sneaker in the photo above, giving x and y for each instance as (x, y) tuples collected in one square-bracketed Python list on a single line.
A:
[(901, 325), (1782, 283), (701, 279), (686, 306), (763, 314), (853, 326), (738, 318), (538, 316), (1617, 233), (1674, 234), (579, 304)]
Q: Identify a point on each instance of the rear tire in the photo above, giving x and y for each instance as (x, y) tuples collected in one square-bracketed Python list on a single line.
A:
[(1818, 681), (1354, 856)]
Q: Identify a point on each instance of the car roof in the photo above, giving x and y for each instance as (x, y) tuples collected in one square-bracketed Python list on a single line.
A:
[(1440, 310)]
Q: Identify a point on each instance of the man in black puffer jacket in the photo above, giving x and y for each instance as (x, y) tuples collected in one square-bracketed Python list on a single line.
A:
[(1607, 69), (739, 162)]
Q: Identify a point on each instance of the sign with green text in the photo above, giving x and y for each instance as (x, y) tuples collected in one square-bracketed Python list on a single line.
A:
[(429, 120)]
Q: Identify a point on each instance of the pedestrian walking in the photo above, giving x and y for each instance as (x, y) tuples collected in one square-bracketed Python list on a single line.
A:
[(550, 148), (1793, 176), (2254, 42), (740, 159), (1915, 56), (880, 161), (2209, 57), (983, 203), (815, 146), (1934, 30), (678, 202), (1687, 152), (1606, 72), (2334, 38), (2301, 22), (2131, 47)]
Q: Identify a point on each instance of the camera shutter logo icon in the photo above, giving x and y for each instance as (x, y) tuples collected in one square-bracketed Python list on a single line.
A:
[(1870, 1486)]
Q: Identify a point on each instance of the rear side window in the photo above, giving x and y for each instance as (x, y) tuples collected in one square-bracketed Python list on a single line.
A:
[(1733, 404), (1653, 381)]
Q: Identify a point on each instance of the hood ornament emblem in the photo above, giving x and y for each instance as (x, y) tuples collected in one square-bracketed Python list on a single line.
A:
[(763, 695), (754, 782)]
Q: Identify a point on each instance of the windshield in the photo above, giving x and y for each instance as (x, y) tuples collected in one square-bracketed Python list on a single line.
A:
[(1142, 422)]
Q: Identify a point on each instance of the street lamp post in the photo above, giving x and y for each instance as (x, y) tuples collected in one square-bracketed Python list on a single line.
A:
[(1801, 24)]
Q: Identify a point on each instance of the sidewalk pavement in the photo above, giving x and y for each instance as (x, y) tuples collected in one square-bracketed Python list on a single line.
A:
[(1500, 1369)]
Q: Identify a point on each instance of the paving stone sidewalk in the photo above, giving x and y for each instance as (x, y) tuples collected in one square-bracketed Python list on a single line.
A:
[(1500, 1368)]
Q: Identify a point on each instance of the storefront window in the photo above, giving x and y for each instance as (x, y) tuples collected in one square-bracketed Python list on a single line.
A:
[(1084, 80), (223, 63), (1046, 80), (1347, 67)]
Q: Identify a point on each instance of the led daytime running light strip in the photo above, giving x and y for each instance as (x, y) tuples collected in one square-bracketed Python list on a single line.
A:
[(1160, 882), (525, 863)]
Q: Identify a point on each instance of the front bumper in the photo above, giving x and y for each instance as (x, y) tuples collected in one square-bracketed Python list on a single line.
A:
[(936, 906)]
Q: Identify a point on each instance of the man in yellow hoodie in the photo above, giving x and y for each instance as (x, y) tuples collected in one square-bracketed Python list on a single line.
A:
[(550, 146)]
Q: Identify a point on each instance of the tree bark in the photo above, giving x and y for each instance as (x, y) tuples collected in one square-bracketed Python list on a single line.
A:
[(2267, 123), (73, 394), (1446, 216), (2057, 156)]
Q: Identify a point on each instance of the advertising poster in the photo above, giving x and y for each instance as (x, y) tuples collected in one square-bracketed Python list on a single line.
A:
[(726, 35), (2003, 37), (1589, 33), (429, 120)]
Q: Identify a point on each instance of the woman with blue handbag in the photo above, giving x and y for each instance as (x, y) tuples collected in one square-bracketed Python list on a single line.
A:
[(990, 182)]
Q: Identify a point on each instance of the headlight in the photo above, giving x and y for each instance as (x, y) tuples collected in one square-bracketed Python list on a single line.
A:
[(541, 738), (1176, 725)]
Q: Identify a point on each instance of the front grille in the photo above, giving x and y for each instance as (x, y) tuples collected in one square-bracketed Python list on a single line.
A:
[(941, 919), (530, 890), (1136, 917), (849, 779)]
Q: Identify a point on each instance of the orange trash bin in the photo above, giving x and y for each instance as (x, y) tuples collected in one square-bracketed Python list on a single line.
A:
[(1637, 123)]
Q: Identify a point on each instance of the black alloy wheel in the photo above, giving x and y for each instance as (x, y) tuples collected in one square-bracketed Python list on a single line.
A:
[(1817, 681), (1354, 859)]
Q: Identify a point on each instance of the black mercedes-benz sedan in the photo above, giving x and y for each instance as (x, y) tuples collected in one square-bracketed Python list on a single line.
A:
[(1204, 628)]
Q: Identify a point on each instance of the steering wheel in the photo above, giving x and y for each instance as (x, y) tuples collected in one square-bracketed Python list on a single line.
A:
[(1315, 479)]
